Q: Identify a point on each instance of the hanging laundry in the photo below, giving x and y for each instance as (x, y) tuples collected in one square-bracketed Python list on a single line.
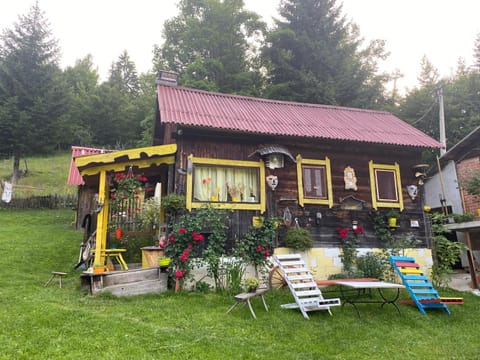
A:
[(7, 192)]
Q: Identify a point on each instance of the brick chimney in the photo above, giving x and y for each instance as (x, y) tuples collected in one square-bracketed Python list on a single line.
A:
[(165, 77)]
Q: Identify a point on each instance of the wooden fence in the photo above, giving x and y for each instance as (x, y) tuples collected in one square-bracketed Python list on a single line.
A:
[(42, 202)]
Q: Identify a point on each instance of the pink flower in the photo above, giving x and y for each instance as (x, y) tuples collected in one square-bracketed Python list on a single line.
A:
[(183, 258), (190, 245), (182, 231), (179, 274), (186, 252)]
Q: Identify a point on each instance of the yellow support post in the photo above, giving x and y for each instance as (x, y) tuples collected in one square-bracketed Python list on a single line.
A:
[(102, 222)]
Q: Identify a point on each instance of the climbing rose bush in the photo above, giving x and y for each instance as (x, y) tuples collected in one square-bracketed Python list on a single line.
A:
[(182, 247)]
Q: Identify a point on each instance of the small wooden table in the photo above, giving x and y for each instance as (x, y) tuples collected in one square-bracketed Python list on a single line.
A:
[(114, 254), (361, 286), (245, 298)]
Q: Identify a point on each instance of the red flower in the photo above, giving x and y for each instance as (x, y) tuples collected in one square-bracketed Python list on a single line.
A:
[(179, 274), (342, 232), (182, 231), (183, 258), (267, 254), (197, 237), (359, 230), (186, 252), (190, 245)]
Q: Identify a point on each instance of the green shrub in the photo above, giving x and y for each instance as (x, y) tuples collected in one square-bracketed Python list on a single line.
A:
[(371, 265), (298, 239), (460, 218)]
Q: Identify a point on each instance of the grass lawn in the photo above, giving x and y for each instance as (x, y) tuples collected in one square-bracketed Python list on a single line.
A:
[(51, 323)]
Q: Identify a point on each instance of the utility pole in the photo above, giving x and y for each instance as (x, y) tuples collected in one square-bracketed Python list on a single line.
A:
[(441, 116)]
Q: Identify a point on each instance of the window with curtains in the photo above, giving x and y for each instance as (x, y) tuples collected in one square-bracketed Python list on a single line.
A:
[(314, 181), (385, 185), (226, 184)]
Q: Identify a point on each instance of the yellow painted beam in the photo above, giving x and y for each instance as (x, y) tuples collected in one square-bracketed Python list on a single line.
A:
[(129, 155), (119, 167)]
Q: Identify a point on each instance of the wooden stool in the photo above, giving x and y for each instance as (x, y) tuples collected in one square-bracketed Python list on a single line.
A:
[(245, 298), (59, 274)]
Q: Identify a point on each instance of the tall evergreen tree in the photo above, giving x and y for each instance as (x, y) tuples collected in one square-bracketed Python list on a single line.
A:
[(32, 95), (429, 74), (315, 55), (210, 43), (476, 53), (123, 74)]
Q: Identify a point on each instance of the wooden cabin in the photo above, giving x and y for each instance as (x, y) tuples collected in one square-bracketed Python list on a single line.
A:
[(321, 167), (314, 166)]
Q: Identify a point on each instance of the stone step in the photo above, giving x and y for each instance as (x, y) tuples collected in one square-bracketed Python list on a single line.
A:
[(130, 276), (138, 287)]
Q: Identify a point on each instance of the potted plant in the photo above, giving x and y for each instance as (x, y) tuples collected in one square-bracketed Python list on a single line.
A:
[(392, 217), (299, 239), (163, 261), (251, 284)]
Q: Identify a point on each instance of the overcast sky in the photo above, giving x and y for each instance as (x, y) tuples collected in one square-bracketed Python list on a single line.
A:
[(443, 30)]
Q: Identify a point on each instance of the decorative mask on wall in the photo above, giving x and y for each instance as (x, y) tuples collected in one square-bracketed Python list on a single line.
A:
[(412, 191), (272, 181)]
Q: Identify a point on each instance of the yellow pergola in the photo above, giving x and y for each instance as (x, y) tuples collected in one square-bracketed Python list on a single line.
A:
[(100, 165)]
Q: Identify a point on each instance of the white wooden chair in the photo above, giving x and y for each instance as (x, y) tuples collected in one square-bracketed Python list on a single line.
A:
[(301, 283)]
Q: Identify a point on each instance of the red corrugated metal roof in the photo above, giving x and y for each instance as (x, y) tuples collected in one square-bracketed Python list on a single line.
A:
[(74, 177), (191, 107)]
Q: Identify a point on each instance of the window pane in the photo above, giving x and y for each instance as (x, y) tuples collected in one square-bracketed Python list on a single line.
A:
[(314, 182), (215, 183), (386, 184)]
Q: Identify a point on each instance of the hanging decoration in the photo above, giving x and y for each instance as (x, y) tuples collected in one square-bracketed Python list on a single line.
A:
[(350, 179)]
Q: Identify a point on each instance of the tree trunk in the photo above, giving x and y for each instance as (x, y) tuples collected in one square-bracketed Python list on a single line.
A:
[(16, 168)]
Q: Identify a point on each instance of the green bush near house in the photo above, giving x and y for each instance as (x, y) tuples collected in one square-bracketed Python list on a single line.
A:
[(298, 239)]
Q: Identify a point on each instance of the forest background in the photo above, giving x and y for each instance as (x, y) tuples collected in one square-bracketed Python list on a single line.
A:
[(312, 54)]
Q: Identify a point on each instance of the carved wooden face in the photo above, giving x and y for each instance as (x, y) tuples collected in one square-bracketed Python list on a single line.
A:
[(412, 191), (272, 181)]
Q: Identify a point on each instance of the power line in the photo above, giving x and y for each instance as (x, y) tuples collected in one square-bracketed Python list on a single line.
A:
[(425, 114)]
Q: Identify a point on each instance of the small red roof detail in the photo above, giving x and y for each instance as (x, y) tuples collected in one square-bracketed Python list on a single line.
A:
[(74, 177)]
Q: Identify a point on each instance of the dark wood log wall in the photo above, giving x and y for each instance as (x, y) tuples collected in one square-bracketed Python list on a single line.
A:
[(341, 155)]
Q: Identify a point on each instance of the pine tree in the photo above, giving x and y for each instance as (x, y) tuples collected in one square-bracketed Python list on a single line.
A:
[(315, 55), (32, 97), (476, 54)]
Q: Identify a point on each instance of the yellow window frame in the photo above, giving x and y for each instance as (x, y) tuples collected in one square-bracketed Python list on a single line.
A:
[(302, 200), (191, 204), (373, 185)]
